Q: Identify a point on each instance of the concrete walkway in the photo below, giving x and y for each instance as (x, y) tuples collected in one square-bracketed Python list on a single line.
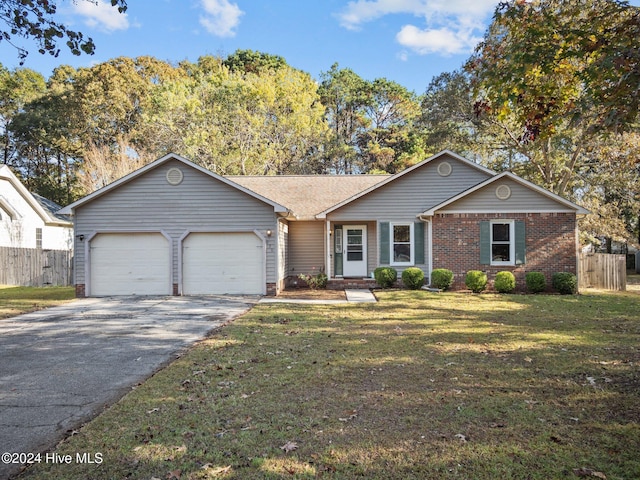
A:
[(353, 296)]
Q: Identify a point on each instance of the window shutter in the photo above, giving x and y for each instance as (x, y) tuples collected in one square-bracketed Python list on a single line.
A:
[(418, 233), (521, 245), (485, 243), (384, 243)]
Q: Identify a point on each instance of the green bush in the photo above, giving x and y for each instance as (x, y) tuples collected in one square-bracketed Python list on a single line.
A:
[(565, 283), (385, 276), (505, 282), (536, 282), (476, 281), (413, 278), (441, 278)]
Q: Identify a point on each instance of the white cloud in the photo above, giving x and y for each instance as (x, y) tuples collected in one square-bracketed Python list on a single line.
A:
[(436, 40), (102, 15), (450, 26), (221, 17)]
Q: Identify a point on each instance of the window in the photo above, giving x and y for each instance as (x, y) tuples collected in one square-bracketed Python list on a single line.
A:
[(502, 243), (401, 244)]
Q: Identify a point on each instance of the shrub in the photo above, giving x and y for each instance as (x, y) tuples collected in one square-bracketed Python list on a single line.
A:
[(442, 278), (476, 281), (505, 282), (315, 281), (385, 276), (536, 282), (565, 283), (413, 278)]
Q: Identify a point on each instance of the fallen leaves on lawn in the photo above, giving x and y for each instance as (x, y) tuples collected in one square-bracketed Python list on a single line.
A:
[(289, 447), (588, 472)]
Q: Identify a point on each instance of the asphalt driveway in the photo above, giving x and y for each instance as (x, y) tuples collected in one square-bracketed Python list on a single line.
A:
[(59, 367)]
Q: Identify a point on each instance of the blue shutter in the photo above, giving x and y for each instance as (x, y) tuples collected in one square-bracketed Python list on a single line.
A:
[(418, 235), (521, 246), (384, 243), (485, 243)]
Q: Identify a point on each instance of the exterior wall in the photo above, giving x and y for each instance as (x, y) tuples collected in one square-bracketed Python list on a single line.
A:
[(522, 199), (21, 232), (198, 203), (306, 248), (550, 245)]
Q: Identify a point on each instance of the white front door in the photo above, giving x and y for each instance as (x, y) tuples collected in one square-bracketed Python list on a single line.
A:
[(354, 255)]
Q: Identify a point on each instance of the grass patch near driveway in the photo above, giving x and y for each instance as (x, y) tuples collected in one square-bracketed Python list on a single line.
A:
[(17, 300), (419, 385)]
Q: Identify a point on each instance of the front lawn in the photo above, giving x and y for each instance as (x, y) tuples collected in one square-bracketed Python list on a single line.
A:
[(17, 300), (420, 385)]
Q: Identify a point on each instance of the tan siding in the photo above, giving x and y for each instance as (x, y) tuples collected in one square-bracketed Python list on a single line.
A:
[(522, 199), (199, 203), (411, 194), (306, 248)]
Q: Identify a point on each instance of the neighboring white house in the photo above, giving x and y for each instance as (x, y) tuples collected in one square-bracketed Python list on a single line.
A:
[(28, 220)]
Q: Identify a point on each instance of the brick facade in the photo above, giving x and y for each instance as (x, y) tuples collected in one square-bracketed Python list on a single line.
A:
[(550, 245), (80, 291)]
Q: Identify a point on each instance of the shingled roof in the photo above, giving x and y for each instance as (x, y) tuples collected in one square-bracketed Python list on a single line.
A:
[(307, 195)]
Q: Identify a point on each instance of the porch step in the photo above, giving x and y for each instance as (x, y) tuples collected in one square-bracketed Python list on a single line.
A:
[(351, 283)]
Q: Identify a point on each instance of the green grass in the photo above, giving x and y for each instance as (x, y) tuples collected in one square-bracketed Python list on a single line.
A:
[(418, 386), (17, 300)]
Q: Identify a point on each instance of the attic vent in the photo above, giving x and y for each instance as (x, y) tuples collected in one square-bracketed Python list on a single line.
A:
[(444, 169), (503, 192), (174, 176)]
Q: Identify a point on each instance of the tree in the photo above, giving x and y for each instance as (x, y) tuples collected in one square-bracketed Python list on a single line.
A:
[(560, 79), (35, 19), (17, 88), (248, 61)]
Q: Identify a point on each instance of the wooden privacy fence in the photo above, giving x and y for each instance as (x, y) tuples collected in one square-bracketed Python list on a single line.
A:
[(602, 270), (34, 267)]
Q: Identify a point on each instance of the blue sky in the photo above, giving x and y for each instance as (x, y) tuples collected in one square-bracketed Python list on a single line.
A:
[(408, 41)]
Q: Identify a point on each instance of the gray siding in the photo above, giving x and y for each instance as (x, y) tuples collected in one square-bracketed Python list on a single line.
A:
[(407, 196), (306, 248), (522, 199), (199, 203)]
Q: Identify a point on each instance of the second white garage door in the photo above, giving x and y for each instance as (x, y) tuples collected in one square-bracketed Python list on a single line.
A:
[(222, 263)]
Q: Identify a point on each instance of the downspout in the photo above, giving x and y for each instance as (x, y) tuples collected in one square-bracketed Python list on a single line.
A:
[(429, 260)]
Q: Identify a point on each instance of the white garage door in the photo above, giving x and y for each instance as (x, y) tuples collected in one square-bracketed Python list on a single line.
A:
[(130, 264), (218, 263)]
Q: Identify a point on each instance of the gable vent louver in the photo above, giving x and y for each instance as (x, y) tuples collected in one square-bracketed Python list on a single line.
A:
[(444, 169), (503, 192), (174, 176)]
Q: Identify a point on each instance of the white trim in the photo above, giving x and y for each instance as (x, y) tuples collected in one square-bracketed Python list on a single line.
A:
[(574, 208), (69, 209), (429, 258), (512, 241), (328, 249), (324, 214), (48, 219), (412, 244)]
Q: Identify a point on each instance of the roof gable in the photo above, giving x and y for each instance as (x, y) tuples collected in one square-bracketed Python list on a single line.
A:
[(38, 204), (69, 209), (478, 173), (483, 196)]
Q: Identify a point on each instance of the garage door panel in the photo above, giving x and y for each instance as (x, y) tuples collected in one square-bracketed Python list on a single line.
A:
[(130, 264), (219, 263)]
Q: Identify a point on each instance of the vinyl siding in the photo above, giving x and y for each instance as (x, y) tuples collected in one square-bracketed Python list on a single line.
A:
[(199, 203), (306, 248), (522, 199), (404, 198)]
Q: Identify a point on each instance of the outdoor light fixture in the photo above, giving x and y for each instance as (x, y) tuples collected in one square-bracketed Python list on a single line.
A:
[(80, 237), (269, 233)]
